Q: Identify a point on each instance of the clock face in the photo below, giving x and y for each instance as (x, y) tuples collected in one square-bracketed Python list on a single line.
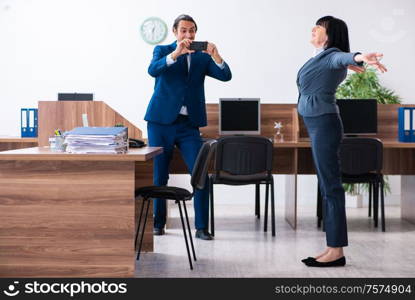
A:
[(153, 30)]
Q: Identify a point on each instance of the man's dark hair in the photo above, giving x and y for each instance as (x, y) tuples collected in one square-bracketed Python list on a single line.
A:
[(183, 18), (337, 33)]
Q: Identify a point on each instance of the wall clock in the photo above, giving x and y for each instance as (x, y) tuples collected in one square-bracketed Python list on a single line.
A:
[(153, 30)]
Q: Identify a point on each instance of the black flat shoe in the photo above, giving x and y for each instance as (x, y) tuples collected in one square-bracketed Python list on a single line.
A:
[(335, 263), (307, 259), (203, 234)]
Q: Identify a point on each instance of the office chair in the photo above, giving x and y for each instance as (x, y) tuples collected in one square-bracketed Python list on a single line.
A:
[(177, 194), (320, 200), (242, 160), (361, 161)]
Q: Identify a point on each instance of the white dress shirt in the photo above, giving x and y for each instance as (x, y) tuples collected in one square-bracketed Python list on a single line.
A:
[(317, 51)]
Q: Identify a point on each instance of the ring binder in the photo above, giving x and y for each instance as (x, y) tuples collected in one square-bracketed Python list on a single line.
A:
[(28, 122)]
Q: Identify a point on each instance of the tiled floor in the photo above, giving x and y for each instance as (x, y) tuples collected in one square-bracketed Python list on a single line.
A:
[(242, 249)]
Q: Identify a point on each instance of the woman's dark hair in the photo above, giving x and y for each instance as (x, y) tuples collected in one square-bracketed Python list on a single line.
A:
[(183, 18), (337, 33)]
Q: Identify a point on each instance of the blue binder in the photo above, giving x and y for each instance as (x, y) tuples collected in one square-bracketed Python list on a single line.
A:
[(97, 131), (28, 122), (406, 125), (412, 129)]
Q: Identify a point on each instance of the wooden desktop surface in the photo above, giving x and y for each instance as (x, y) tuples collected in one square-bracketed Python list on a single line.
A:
[(14, 142), (15, 139), (305, 143), (45, 153)]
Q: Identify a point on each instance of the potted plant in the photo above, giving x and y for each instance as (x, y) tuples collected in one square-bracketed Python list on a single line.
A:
[(364, 85)]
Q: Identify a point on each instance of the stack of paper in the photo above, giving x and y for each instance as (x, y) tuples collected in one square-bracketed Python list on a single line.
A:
[(96, 140)]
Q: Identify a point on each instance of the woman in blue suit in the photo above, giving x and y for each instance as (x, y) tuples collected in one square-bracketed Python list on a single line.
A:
[(317, 82)]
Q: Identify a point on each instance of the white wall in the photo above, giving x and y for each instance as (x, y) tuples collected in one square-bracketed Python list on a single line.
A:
[(48, 46), (51, 46)]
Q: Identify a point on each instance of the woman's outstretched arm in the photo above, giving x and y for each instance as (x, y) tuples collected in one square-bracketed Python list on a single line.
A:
[(372, 59)]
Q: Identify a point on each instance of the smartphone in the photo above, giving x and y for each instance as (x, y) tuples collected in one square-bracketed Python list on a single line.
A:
[(198, 46)]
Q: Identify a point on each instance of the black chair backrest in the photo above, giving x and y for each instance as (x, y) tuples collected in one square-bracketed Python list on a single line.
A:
[(201, 166), (361, 155), (243, 155)]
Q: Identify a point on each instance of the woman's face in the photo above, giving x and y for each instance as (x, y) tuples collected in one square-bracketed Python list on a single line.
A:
[(318, 36)]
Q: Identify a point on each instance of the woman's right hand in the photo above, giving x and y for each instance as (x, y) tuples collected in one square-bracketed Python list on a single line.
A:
[(372, 59), (182, 48)]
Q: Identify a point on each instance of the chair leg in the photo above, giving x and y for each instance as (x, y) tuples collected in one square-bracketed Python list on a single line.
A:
[(319, 207), (212, 208), (323, 211), (144, 229), (185, 235), (139, 223), (257, 201), (370, 200), (190, 233), (272, 207), (376, 203), (266, 207), (382, 204)]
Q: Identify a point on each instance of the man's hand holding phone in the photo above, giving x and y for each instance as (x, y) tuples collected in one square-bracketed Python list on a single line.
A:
[(186, 46), (182, 48), (213, 51)]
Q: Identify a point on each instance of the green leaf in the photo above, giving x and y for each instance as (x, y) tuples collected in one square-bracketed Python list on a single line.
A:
[(366, 86)]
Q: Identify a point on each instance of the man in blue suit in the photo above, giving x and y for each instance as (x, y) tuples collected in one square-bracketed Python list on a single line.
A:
[(177, 110)]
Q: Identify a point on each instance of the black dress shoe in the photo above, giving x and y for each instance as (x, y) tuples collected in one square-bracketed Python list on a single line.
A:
[(203, 234), (335, 263), (307, 259), (158, 231)]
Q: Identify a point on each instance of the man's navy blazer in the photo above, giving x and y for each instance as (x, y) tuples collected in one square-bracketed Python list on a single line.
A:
[(175, 86)]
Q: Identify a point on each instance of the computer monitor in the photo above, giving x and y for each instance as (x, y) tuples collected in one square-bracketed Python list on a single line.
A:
[(359, 116), (239, 116), (75, 97)]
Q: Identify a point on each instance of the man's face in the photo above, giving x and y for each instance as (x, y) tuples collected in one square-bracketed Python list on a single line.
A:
[(185, 30)]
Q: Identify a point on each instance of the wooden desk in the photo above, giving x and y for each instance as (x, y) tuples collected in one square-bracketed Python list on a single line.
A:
[(293, 157), (398, 159), (70, 215)]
